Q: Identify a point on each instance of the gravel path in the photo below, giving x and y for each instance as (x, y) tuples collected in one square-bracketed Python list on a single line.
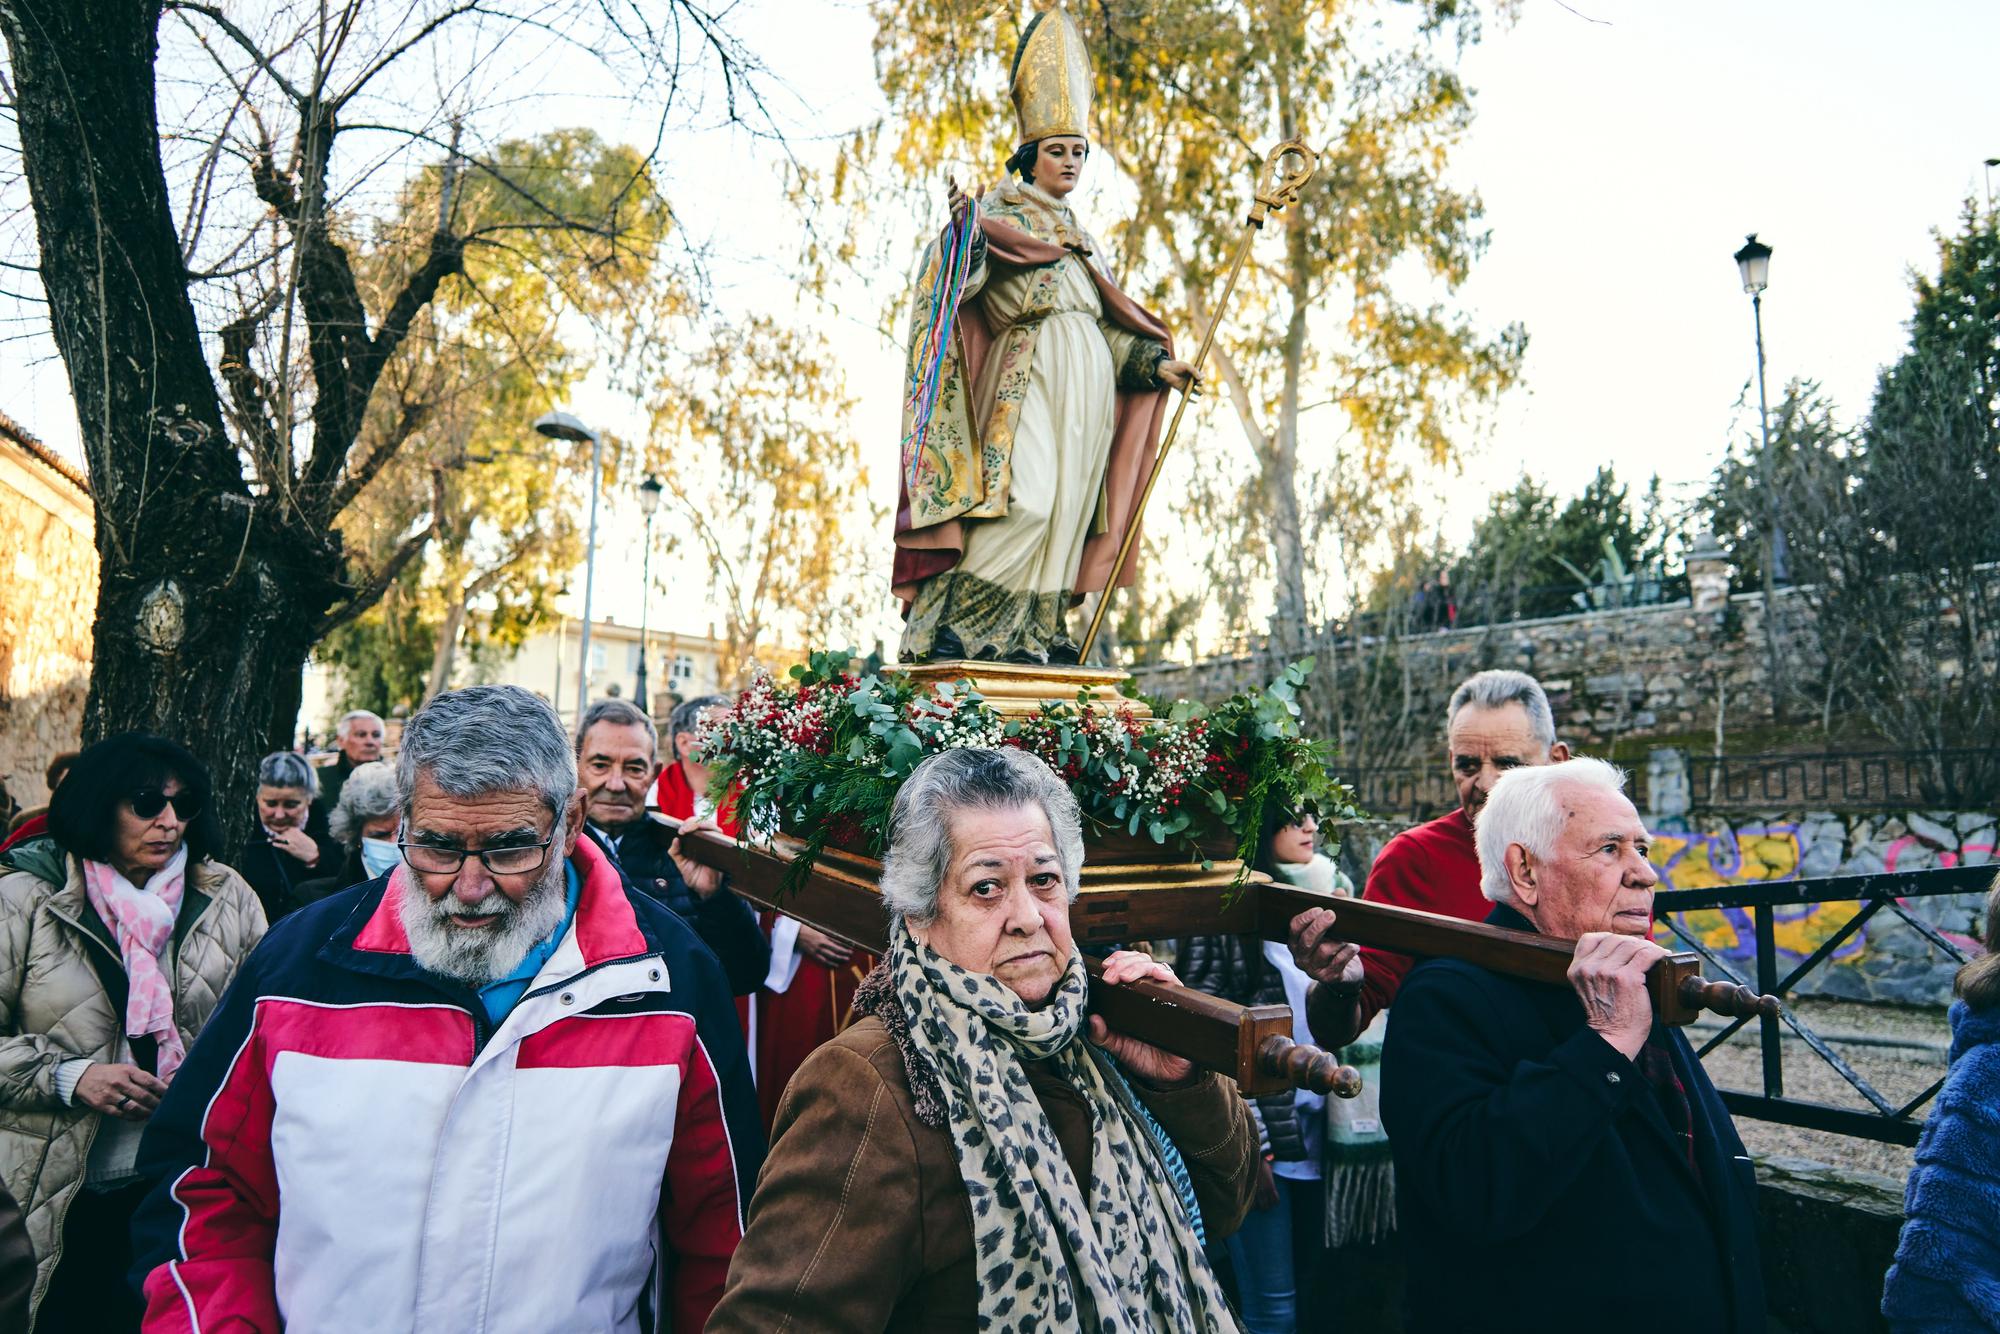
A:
[(1899, 1072)]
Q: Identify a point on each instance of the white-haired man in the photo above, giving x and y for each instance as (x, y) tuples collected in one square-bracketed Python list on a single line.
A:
[(494, 1089), (358, 739), (1496, 722), (1554, 1143)]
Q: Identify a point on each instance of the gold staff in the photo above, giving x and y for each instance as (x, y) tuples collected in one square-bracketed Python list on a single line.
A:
[(1276, 189)]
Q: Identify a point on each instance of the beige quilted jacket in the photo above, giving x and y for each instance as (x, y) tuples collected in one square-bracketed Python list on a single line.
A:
[(53, 1007)]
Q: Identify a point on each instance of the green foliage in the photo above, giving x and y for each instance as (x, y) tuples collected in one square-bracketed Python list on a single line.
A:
[(1811, 476), (823, 757)]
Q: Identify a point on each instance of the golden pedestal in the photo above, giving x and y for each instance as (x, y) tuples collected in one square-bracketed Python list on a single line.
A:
[(1015, 690)]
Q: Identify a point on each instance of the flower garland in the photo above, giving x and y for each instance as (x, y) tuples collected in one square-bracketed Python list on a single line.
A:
[(821, 757)]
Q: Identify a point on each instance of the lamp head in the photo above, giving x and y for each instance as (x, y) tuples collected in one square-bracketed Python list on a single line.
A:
[(1753, 261), (649, 495), (562, 426)]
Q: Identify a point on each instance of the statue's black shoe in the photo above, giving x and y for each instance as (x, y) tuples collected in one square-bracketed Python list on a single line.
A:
[(1065, 653), (946, 646)]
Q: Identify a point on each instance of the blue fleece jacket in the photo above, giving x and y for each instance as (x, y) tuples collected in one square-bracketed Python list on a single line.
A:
[(1946, 1278)]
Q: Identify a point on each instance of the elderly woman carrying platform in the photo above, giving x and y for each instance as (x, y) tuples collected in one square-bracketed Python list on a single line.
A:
[(959, 1158)]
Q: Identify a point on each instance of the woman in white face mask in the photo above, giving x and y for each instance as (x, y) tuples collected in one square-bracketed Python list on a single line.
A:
[(364, 822)]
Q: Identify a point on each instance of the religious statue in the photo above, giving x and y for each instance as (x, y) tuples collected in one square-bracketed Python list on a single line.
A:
[(1037, 394)]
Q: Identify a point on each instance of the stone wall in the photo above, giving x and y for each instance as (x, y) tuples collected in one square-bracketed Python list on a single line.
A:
[(48, 599), (1613, 676), (1886, 959), (1826, 1237)]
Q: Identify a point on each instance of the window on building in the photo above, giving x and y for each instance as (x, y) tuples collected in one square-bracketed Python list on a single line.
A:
[(683, 669)]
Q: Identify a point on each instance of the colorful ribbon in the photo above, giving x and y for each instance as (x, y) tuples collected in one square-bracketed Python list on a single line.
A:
[(927, 362)]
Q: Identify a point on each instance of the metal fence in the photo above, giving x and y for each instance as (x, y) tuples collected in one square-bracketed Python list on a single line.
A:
[(1889, 780), (1886, 1120), (1886, 780)]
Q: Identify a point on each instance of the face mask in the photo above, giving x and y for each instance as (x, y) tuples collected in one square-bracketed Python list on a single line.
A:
[(378, 855)]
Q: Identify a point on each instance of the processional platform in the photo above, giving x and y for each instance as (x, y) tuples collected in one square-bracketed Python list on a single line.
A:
[(1132, 901)]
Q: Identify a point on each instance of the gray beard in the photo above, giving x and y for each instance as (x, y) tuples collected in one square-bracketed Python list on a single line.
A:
[(477, 957)]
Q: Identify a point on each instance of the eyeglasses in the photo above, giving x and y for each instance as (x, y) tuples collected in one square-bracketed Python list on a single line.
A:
[(518, 859), (149, 802)]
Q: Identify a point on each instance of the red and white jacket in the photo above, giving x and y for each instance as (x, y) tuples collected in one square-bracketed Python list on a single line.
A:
[(353, 1146)]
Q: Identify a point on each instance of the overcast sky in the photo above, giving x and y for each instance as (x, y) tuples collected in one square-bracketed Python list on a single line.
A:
[(1623, 148)]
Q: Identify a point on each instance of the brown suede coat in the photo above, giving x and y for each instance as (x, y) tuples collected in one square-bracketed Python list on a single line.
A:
[(861, 1219)]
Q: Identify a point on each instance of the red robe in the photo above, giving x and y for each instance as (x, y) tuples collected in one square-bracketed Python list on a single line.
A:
[(1434, 867), (784, 1026)]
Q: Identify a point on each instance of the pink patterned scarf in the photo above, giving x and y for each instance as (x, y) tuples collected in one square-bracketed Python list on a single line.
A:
[(142, 920)]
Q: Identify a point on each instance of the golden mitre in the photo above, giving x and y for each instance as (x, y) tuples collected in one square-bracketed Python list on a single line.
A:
[(1051, 77)]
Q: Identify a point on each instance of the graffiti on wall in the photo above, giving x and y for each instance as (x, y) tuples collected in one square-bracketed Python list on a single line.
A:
[(1885, 958)]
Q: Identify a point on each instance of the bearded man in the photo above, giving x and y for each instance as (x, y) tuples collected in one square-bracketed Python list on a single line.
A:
[(492, 1089)]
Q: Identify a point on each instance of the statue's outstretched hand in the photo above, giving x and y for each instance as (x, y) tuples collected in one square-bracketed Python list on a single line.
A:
[(1179, 375), (958, 200)]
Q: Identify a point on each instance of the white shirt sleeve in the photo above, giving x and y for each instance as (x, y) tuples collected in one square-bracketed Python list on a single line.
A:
[(67, 1075), (785, 956)]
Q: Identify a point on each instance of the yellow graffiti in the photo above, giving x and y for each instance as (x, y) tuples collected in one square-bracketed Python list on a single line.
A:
[(1710, 861)]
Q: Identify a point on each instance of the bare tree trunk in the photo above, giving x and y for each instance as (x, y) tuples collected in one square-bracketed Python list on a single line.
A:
[(447, 648), (207, 602)]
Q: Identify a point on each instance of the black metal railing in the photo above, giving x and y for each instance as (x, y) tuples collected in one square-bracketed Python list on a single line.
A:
[(1884, 780), (1967, 778), (1886, 1120)]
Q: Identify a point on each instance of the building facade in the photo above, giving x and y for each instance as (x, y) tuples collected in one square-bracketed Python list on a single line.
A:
[(48, 601)]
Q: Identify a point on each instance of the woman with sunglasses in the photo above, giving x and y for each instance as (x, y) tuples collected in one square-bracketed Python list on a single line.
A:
[(118, 934)]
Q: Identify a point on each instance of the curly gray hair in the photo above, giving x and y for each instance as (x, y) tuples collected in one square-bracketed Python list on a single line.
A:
[(368, 794), (968, 779)]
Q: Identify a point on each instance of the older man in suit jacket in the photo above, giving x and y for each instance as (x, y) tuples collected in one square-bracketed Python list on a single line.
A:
[(1562, 1155)]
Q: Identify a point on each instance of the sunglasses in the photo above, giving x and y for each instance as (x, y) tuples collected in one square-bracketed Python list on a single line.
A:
[(149, 802)]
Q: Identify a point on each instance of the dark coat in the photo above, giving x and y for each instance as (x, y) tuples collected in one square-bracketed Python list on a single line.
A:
[(1234, 968), (724, 922), (343, 873), (1947, 1272), (1534, 1161), (278, 877), (331, 779)]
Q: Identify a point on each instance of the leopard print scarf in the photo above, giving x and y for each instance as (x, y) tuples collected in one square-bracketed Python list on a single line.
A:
[(1126, 1259)]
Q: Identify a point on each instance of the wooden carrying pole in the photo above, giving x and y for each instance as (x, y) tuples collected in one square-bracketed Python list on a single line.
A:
[(1252, 1044), (1275, 190)]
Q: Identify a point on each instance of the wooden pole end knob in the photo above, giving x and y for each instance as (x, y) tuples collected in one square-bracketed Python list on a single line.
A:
[(1307, 1068)]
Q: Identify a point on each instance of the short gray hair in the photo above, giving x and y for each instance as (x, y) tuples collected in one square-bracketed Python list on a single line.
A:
[(340, 728), (287, 768), (1497, 689), (368, 794), (1525, 807), (968, 779), (488, 739), (619, 713), (687, 718)]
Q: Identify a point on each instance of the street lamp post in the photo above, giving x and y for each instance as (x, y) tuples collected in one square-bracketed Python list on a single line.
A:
[(649, 500), (1753, 262), (562, 426)]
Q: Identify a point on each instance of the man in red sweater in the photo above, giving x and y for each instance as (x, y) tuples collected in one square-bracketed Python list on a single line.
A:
[(1496, 721)]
